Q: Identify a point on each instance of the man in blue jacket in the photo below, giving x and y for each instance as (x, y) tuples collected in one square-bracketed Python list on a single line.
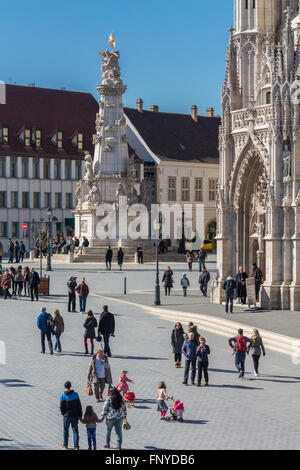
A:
[(70, 408), (189, 352), (44, 324)]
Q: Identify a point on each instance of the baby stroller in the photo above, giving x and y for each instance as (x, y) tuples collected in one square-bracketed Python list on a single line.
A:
[(176, 411)]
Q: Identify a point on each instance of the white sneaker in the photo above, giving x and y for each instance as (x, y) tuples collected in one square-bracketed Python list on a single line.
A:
[(256, 375)]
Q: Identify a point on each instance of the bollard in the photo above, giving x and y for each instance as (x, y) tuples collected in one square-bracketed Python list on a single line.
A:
[(125, 282)]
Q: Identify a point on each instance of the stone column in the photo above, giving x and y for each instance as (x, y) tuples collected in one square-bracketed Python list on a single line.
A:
[(287, 258), (295, 285)]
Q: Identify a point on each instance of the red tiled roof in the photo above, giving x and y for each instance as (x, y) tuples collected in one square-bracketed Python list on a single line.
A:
[(178, 137), (48, 110)]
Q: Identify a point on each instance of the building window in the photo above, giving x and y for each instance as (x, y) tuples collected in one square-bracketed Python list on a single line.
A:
[(57, 170), (38, 137), (36, 200), (68, 170), (46, 169), (78, 171), (172, 189), (80, 140), (198, 189), (24, 167), (2, 199), (25, 200), (3, 229), (58, 200), (2, 167), (5, 135), (47, 200), (59, 139), (27, 137), (15, 229), (69, 200), (13, 167), (36, 169), (58, 228), (212, 189), (14, 199), (185, 189)]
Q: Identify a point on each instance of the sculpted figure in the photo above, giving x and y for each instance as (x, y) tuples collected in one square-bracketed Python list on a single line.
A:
[(286, 161)]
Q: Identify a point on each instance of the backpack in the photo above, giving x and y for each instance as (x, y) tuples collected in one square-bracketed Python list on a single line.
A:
[(240, 344), (50, 323)]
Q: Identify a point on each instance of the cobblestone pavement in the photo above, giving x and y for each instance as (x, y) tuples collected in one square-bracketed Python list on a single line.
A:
[(254, 413)]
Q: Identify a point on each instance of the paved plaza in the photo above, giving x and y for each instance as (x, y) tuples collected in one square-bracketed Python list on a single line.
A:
[(254, 413)]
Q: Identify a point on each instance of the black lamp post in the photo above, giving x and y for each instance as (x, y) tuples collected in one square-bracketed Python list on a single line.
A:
[(157, 287), (49, 215)]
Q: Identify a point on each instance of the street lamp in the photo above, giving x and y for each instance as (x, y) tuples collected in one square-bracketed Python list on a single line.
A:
[(49, 215), (157, 288)]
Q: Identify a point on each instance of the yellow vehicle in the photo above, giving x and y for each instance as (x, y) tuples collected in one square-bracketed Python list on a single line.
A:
[(207, 245)]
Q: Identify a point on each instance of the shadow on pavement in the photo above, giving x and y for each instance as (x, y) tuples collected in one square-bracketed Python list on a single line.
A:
[(279, 376), (195, 421), (14, 383), (143, 407), (147, 400), (243, 387), (276, 381), (142, 358)]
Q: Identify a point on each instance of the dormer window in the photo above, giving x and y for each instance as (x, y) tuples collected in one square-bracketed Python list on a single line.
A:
[(57, 139), (38, 137), (77, 140), (27, 137), (4, 135)]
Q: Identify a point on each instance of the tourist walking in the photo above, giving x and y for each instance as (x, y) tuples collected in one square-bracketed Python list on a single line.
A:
[(34, 282), (10, 251), (161, 398), (26, 275), (168, 280), (106, 328), (258, 276), (90, 419), (241, 287), (108, 258), (58, 329), (189, 260), (229, 286), (115, 412), (177, 340), (120, 256), (185, 283), (6, 283), (19, 280), (70, 408), (204, 279), (72, 284), (202, 255), (257, 347), (99, 374), (17, 251), (139, 251), (90, 324), (239, 345), (83, 292), (22, 251), (45, 324), (189, 352), (203, 350)]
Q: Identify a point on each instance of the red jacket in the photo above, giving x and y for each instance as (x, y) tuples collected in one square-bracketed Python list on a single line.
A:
[(83, 290)]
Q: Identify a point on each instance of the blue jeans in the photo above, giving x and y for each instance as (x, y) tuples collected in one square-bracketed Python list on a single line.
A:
[(91, 435), (106, 344), (239, 360), (74, 423), (201, 264), (57, 344), (189, 362), (229, 297), (43, 335), (82, 303), (117, 424)]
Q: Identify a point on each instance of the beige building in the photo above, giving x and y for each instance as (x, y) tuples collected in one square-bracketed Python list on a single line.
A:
[(183, 148), (258, 202)]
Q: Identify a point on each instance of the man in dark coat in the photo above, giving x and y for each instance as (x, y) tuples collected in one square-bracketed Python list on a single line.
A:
[(108, 257), (204, 279), (241, 288), (34, 282), (258, 275), (106, 328), (139, 251), (229, 286), (189, 352), (44, 324), (72, 284), (10, 251), (168, 280)]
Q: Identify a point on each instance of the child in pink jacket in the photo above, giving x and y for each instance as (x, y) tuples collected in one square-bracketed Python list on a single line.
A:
[(122, 385)]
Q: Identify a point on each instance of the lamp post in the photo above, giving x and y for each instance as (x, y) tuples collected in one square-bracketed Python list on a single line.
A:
[(157, 287), (49, 215)]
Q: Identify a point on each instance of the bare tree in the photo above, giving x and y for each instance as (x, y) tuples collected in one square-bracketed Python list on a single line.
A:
[(40, 241)]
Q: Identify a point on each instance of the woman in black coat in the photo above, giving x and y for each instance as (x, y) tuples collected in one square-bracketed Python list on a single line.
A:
[(177, 340), (168, 280), (90, 324), (241, 288), (120, 256)]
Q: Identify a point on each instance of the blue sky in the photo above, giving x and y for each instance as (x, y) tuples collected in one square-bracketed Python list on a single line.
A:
[(172, 51)]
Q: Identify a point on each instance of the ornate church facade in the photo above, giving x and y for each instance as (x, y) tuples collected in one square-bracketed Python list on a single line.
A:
[(258, 204)]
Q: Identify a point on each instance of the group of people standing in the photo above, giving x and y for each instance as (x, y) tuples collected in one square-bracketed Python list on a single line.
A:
[(19, 279), (16, 251), (238, 287)]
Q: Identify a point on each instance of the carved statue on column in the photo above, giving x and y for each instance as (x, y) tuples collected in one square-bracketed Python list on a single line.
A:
[(79, 193), (88, 167), (286, 162)]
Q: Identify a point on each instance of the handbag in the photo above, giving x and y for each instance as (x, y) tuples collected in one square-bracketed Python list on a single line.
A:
[(125, 425), (89, 390)]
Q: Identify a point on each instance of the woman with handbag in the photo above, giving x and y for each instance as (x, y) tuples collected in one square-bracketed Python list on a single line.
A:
[(90, 324), (115, 412), (99, 374)]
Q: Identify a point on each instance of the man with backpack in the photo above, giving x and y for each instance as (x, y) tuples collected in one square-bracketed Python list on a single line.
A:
[(229, 286), (45, 324), (239, 345)]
